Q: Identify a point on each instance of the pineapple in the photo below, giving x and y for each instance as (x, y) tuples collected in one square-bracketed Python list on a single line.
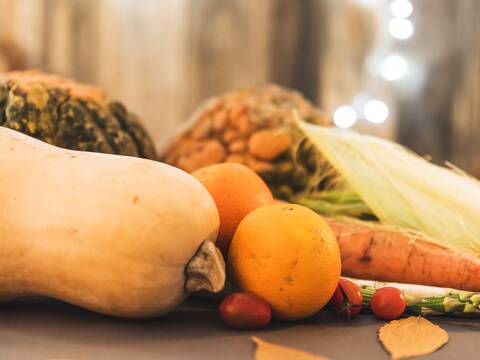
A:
[(253, 127)]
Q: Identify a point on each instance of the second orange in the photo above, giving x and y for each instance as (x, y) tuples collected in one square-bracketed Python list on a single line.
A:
[(237, 191)]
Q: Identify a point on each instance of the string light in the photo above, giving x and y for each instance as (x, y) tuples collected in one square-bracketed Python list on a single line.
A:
[(400, 29), (359, 101), (376, 111), (394, 67), (344, 117), (401, 8)]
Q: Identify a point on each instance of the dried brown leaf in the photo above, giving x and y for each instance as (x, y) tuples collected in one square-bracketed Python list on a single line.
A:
[(269, 351), (410, 337)]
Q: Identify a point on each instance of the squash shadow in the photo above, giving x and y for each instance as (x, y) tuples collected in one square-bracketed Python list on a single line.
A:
[(54, 329)]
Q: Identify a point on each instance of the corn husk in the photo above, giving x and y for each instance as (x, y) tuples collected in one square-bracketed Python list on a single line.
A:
[(402, 188)]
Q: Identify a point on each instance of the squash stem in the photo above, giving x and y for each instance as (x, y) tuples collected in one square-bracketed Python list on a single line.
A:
[(206, 269)]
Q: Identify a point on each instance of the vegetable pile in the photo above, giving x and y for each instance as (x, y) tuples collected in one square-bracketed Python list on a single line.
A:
[(394, 215), (132, 237), (380, 197)]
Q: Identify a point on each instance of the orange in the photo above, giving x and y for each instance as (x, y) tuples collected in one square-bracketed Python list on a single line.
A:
[(288, 256), (237, 191)]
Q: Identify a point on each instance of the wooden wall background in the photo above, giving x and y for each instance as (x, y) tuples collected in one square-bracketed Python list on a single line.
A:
[(163, 57)]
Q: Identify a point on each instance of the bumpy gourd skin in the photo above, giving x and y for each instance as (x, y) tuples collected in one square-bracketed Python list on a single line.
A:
[(112, 234), (48, 108)]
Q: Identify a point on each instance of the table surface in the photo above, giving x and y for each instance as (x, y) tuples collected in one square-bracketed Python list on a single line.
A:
[(45, 329)]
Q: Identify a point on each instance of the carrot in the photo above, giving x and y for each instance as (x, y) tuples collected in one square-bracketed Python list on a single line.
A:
[(384, 254)]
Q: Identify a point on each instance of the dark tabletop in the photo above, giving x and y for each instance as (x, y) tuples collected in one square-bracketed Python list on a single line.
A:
[(44, 329)]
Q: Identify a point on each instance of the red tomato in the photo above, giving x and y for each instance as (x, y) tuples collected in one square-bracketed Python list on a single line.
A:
[(347, 299), (388, 303), (245, 311)]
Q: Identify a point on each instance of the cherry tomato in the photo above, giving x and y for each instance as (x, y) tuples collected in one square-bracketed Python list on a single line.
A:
[(347, 299), (388, 303), (245, 311)]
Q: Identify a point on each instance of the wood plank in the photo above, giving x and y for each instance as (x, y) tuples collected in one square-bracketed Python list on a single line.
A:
[(295, 45), (229, 43), (58, 27), (466, 106), (84, 37), (425, 104), (142, 59), (24, 24)]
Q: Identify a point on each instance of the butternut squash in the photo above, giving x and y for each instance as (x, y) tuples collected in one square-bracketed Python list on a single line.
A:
[(114, 234)]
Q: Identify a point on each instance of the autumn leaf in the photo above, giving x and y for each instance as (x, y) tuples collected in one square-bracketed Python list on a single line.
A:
[(269, 351), (410, 337)]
